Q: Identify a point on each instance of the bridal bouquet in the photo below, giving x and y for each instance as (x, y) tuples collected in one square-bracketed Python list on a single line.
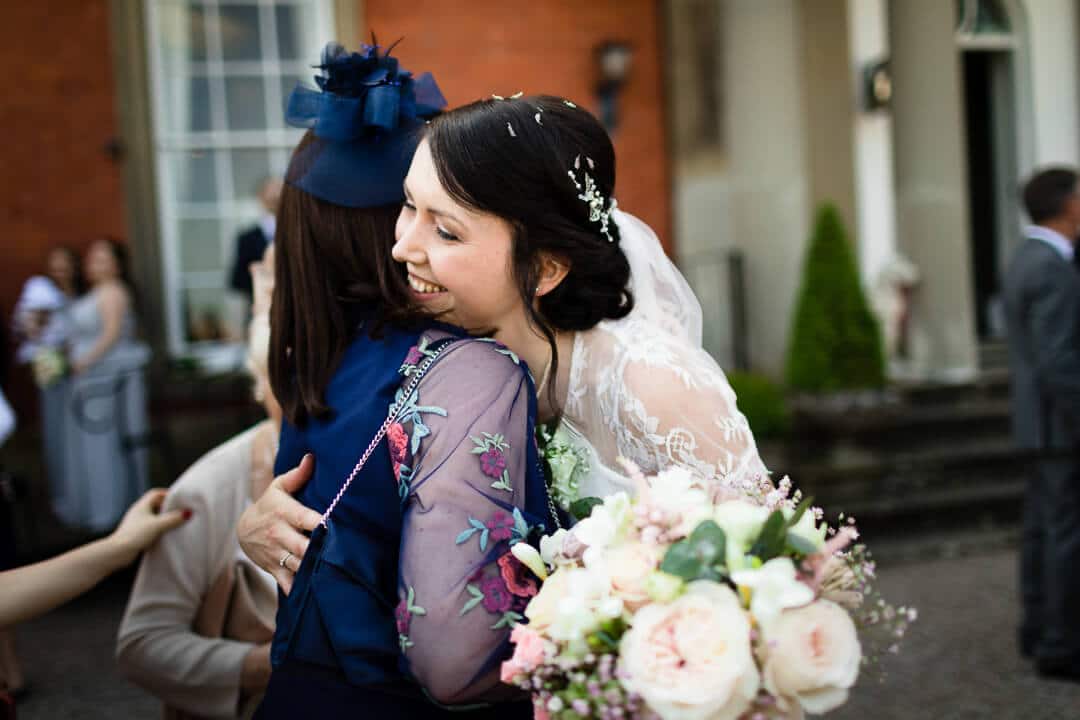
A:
[(695, 603)]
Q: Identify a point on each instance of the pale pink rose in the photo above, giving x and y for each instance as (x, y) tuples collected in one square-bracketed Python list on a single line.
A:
[(629, 566), (813, 657), (691, 659), (528, 653), (539, 711)]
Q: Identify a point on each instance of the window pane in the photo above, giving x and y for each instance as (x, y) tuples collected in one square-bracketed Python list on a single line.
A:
[(991, 18), (249, 169), (204, 311), (240, 32), (195, 105), (245, 102), (292, 28), (194, 176), (200, 246)]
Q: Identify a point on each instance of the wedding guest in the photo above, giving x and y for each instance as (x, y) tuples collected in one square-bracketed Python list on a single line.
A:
[(106, 416), (1042, 301), (36, 589), (252, 242), (354, 361), (42, 328), (199, 621)]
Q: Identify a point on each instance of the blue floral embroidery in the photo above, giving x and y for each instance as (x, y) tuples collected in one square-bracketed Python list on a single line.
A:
[(502, 349), (416, 354), (411, 412)]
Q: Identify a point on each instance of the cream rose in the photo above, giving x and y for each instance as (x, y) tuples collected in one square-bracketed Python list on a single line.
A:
[(628, 568), (691, 659), (541, 609), (813, 657)]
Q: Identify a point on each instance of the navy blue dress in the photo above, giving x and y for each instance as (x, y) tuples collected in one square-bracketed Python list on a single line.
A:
[(404, 603)]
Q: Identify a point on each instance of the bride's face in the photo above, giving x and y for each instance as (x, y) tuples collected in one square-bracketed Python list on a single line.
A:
[(458, 260)]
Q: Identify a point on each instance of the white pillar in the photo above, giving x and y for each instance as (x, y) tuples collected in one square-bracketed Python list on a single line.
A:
[(875, 189)]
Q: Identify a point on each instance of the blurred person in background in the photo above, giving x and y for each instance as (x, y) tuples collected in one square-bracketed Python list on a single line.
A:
[(1042, 301), (253, 241), (105, 417), (42, 328), (199, 622)]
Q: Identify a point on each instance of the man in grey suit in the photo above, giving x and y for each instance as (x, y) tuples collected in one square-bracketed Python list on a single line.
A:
[(1042, 305)]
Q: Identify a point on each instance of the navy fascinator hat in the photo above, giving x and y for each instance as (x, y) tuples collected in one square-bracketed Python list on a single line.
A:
[(366, 117)]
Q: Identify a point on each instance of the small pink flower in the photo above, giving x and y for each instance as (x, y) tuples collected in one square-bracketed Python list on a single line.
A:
[(402, 618), (497, 598), (518, 578), (500, 525), (528, 653), (414, 356), (539, 711), (398, 440), (493, 462)]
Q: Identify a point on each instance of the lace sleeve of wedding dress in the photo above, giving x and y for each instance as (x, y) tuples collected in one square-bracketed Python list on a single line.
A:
[(658, 402), (464, 498)]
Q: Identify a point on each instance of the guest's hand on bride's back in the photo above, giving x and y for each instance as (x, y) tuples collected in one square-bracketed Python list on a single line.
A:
[(271, 530)]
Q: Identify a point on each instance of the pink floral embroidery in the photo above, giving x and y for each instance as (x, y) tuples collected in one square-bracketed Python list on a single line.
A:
[(402, 617), (492, 463), (497, 598), (518, 578), (414, 356), (398, 440), (501, 525)]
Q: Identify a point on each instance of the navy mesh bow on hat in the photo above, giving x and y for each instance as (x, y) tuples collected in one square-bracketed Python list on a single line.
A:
[(365, 116)]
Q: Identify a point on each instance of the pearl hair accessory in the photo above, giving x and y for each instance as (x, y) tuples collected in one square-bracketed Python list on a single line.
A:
[(592, 197)]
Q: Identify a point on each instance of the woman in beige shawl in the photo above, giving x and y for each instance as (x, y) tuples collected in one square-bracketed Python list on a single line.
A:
[(198, 625)]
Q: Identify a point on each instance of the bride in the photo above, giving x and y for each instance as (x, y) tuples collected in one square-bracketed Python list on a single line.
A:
[(510, 228)]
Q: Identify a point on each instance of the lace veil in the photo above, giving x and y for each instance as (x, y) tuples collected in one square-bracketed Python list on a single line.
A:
[(643, 388)]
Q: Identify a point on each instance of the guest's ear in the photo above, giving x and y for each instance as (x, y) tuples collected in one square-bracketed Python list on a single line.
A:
[(553, 271)]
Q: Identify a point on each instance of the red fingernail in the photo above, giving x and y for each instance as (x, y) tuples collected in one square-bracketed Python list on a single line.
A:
[(186, 514)]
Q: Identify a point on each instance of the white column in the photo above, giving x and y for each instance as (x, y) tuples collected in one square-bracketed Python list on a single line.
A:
[(875, 189), (1052, 28)]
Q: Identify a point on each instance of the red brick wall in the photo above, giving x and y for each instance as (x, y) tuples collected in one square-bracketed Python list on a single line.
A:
[(481, 47), (57, 186)]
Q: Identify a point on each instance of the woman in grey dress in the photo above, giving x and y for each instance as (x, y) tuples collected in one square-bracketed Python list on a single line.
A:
[(105, 465)]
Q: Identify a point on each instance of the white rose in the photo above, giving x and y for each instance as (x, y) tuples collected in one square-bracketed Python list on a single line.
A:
[(604, 526), (691, 659), (741, 522), (571, 604), (629, 566), (776, 587), (675, 491), (551, 546), (813, 657)]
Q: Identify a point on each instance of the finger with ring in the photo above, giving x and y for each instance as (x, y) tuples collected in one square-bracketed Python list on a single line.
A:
[(284, 559)]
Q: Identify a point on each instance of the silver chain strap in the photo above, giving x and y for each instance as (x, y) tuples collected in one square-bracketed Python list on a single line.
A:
[(391, 417)]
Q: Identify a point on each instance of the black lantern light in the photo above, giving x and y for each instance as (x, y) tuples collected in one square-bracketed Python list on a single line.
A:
[(613, 60)]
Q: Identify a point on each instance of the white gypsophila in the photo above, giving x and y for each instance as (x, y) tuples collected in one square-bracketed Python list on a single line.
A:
[(691, 659), (775, 587), (741, 522)]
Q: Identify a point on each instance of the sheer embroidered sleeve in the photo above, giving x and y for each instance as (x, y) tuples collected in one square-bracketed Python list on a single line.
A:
[(463, 460)]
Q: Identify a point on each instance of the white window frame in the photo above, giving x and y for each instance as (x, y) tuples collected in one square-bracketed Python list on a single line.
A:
[(225, 208)]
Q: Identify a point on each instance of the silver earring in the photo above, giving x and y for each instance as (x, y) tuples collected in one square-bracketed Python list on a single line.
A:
[(537, 291)]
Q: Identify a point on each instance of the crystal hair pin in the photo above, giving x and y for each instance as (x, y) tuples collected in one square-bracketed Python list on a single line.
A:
[(599, 211)]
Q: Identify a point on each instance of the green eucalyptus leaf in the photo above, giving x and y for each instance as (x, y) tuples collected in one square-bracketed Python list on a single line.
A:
[(709, 543), (583, 507), (681, 561), (802, 508), (770, 541)]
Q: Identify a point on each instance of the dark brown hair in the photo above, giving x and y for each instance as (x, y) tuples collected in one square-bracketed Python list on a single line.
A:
[(510, 158), (1046, 193), (333, 269)]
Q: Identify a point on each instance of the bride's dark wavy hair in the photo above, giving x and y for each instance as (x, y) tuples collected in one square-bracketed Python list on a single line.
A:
[(511, 158)]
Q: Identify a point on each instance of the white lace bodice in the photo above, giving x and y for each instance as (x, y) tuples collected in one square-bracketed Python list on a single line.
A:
[(639, 393)]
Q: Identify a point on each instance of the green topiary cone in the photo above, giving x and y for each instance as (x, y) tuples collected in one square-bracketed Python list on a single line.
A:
[(835, 339)]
